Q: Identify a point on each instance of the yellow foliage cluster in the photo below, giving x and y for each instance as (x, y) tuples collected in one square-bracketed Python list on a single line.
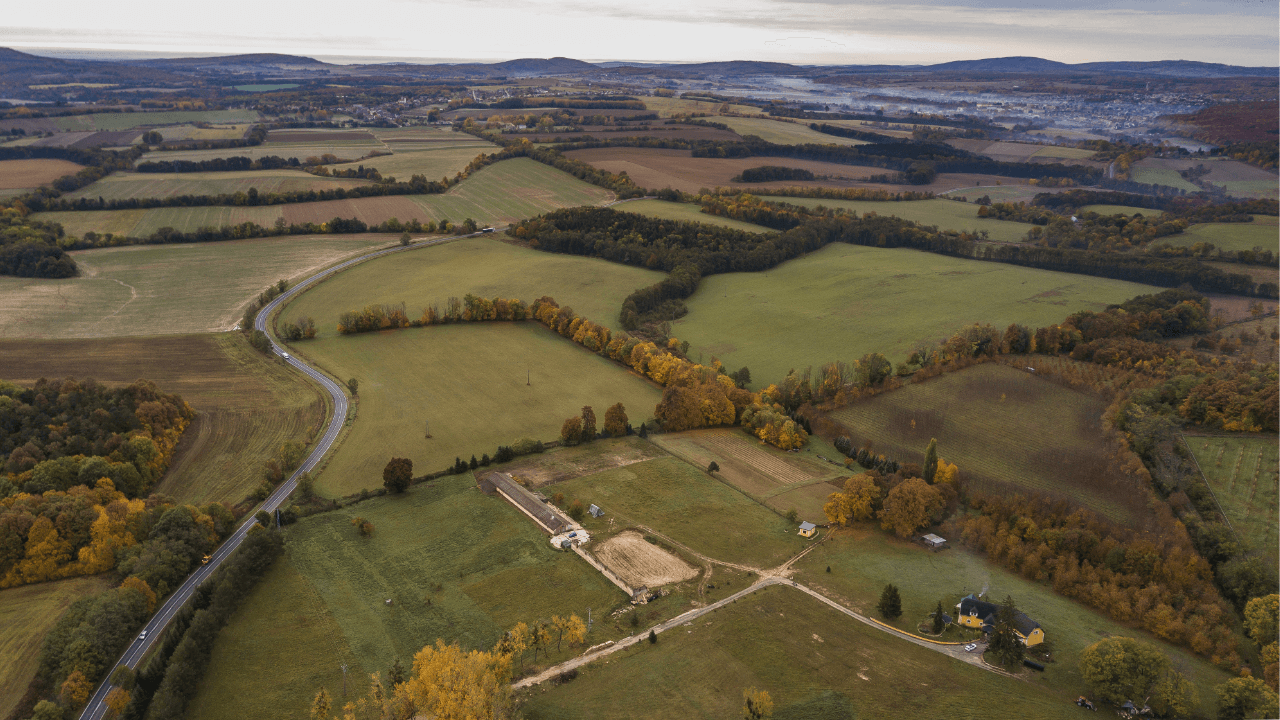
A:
[(770, 423), (856, 502)]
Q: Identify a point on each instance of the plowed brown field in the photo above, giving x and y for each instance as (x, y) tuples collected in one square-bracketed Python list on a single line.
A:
[(33, 173), (640, 563)]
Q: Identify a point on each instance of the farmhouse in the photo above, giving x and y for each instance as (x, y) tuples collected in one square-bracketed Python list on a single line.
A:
[(546, 515), (808, 529), (980, 614)]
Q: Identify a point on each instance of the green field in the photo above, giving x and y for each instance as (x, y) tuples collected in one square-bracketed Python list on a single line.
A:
[(815, 663), (266, 88), (482, 266), (501, 193), (349, 150), (1160, 176), (945, 214), (191, 132), (26, 614), (666, 107), (783, 133), (1065, 153), (433, 163), (165, 289), (684, 503), (128, 121), (1242, 470), (126, 186), (1005, 428), (1121, 210), (456, 564), (479, 386), (844, 301), (247, 404), (1261, 233), (685, 212), (863, 561)]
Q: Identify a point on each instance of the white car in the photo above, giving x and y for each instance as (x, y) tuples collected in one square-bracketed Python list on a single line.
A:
[(971, 647), (284, 355), (143, 636)]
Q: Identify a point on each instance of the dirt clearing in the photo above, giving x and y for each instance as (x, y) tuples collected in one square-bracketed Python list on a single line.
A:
[(640, 563), (33, 173)]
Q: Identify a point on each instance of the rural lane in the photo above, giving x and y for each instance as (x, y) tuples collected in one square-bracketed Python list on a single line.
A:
[(97, 708)]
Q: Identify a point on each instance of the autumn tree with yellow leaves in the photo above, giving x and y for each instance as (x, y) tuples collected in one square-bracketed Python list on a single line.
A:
[(856, 502)]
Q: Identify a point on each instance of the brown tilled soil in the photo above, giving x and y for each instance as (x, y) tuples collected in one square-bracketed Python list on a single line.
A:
[(640, 563), (32, 173)]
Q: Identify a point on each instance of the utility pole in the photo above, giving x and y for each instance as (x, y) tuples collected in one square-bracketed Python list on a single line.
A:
[(428, 429), (344, 679), (588, 619)]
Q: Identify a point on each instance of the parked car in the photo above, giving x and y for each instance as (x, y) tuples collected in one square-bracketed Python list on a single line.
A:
[(971, 647)]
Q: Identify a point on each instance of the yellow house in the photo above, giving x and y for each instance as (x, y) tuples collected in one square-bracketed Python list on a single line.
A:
[(808, 529), (979, 614)]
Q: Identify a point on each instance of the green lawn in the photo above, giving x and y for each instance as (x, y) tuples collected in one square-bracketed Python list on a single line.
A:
[(128, 121), (1242, 470), (864, 560), (783, 133), (482, 266), (165, 289), (945, 214), (1004, 428), (683, 502), (814, 662), (686, 212), (1261, 233), (127, 186), (456, 564), (26, 614), (479, 386), (1161, 176), (844, 301), (501, 193), (1121, 210)]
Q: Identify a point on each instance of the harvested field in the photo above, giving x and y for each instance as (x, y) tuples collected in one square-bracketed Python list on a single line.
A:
[(248, 404), (34, 173), (191, 132), (658, 168), (685, 212), (640, 563), (784, 132), (312, 137), (84, 140), (434, 161), (130, 120), (1023, 152), (26, 614), (128, 186), (1006, 429), (1065, 153), (666, 107), (663, 132), (945, 214), (165, 289), (346, 151)]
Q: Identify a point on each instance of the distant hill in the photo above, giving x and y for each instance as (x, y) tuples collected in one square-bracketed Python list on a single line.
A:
[(1001, 65), (266, 59)]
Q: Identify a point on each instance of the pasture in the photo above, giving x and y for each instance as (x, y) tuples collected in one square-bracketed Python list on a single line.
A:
[(482, 266), (431, 162), (248, 404), (667, 107), (565, 463), (684, 503), (944, 214), (165, 289), (1242, 470), (863, 561), (349, 150), (1121, 210), (192, 132), (784, 132), (478, 385), (1158, 171), (22, 174), (685, 212), (844, 301), (456, 564), (657, 168), (131, 120), (780, 480), (501, 193), (815, 663), (1236, 177), (1006, 429), (1261, 233), (26, 614), (1058, 152), (128, 186)]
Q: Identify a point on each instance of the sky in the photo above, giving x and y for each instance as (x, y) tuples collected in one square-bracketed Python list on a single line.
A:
[(824, 32)]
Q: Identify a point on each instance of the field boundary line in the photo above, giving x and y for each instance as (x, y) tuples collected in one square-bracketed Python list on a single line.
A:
[(1205, 480)]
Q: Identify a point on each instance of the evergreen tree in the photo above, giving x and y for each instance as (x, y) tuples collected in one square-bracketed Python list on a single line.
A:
[(931, 461), (890, 605), (644, 431), (938, 624), (1005, 645)]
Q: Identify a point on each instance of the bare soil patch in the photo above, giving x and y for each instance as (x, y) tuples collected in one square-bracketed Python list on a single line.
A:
[(567, 463), (33, 173), (640, 563)]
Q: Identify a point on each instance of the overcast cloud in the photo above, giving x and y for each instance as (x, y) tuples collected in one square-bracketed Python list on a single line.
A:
[(1241, 32)]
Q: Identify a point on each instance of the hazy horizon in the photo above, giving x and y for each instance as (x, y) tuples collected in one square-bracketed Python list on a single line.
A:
[(813, 32)]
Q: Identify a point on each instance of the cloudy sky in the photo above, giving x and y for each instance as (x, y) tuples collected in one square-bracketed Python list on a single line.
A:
[(1238, 32)]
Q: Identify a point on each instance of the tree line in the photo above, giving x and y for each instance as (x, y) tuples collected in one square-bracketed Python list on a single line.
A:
[(771, 173)]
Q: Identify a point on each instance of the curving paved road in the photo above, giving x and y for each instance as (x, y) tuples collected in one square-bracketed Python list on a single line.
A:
[(96, 709)]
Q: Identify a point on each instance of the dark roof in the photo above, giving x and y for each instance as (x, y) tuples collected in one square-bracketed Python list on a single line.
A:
[(988, 612), (527, 500)]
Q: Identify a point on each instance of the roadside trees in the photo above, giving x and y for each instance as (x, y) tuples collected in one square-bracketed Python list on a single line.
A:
[(397, 474)]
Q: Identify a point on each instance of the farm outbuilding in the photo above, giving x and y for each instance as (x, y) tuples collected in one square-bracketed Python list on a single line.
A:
[(933, 541), (545, 514), (808, 529), (595, 510)]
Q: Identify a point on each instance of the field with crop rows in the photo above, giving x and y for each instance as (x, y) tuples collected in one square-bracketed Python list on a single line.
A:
[(248, 404), (26, 614), (844, 301), (125, 186), (456, 565), (16, 174), (685, 212), (945, 214), (1242, 470), (478, 386), (1005, 429), (482, 266)]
